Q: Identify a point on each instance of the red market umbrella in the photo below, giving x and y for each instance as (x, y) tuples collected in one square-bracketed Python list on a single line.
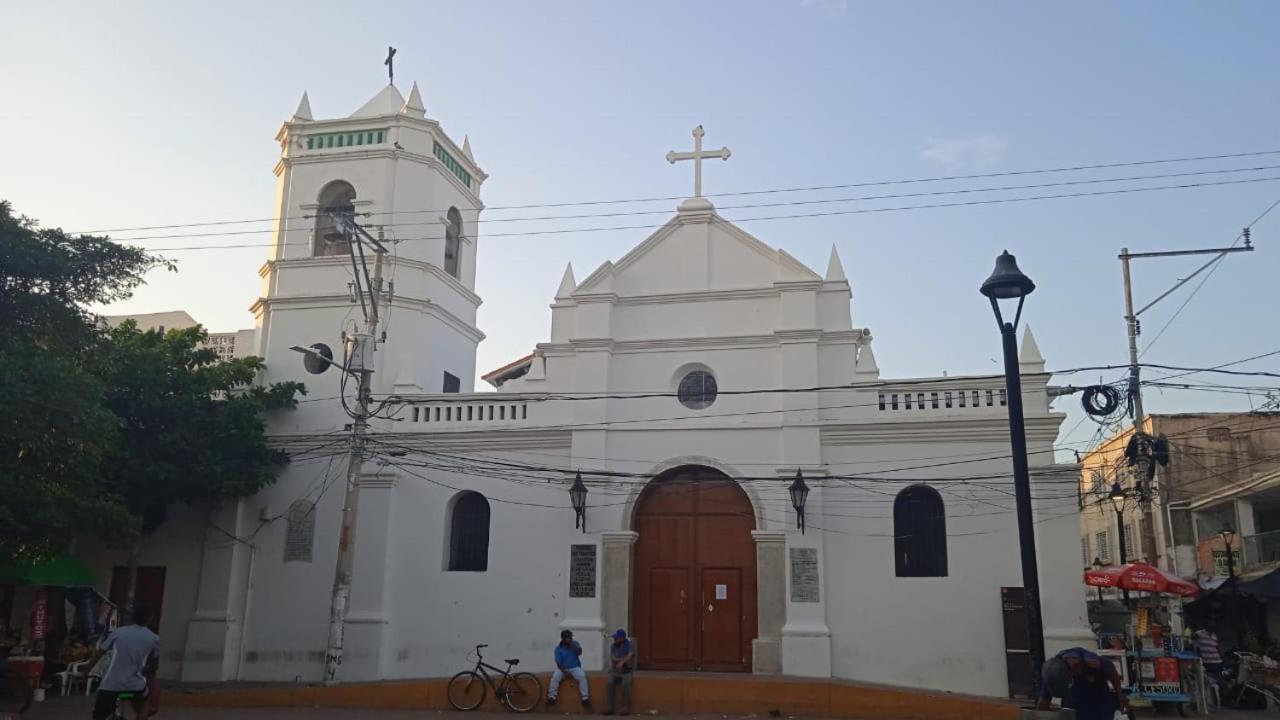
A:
[(1139, 576)]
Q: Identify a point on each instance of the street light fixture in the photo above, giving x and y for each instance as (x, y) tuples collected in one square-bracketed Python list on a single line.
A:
[(578, 496), (799, 492), (1007, 282), (1117, 496), (1228, 534)]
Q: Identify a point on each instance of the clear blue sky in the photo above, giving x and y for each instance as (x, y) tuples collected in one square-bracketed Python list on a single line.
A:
[(122, 114)]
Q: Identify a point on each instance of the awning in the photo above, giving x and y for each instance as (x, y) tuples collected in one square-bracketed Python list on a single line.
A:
[(61, 571), (1266, 586)]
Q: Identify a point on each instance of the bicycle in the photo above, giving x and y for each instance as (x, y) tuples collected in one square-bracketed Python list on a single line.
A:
[(15, 693), (519, 691)]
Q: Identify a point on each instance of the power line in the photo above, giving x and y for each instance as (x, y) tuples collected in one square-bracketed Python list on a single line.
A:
[(815, 188), (792, 203), (794, 216)]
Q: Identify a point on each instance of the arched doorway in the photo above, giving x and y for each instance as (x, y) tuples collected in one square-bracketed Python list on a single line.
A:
[(695, 573)]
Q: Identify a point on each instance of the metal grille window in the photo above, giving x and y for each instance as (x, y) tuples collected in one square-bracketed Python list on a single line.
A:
[(1084, 551), (920, 533), (697, 390), (469, 534), (300, 531), (1129, 534), (1104, 546)]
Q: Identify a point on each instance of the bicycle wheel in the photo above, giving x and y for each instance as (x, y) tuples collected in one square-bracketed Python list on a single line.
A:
[(466, 690), (522, 692), (15, 692)]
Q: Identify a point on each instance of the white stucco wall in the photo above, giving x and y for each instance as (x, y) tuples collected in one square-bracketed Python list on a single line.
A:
[(697, 294)]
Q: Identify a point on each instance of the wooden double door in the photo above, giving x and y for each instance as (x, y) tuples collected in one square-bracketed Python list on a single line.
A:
[(695, 573)]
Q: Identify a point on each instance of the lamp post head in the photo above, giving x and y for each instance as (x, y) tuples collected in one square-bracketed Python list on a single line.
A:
[(578, 494), (799, 492), (1227, 534), (578, 497), (1117, 496), (1007, 281)]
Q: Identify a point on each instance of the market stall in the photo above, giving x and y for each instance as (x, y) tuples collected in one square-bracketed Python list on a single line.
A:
[(44, 606), (1154, 665)]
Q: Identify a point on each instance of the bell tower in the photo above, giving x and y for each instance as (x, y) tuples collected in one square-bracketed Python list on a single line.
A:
[(397, 171)]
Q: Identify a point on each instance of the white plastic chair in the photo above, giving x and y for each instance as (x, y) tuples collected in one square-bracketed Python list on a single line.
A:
[(74, 673)]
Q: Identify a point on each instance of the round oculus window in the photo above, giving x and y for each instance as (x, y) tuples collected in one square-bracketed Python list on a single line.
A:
[(697, 390)]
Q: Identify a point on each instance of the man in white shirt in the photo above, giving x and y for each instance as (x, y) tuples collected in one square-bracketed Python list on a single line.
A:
[(134, 648)]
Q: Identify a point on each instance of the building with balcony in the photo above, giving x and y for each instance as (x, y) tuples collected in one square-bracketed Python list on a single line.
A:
[(1222, 469)]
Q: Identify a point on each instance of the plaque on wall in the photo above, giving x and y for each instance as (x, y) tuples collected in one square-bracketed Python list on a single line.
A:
[(804, 575), (582, 571)]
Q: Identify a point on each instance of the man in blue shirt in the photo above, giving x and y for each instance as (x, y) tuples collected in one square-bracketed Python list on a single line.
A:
[(622, 658), (1081, 678), (568, 662)]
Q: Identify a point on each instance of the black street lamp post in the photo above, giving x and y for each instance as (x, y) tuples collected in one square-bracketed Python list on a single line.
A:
[(1117, 500), (1228, 534), (1008, 283)]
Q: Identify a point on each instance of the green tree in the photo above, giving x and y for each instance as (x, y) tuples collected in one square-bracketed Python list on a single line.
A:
[(191, 425), (102, 430), (56, 433)]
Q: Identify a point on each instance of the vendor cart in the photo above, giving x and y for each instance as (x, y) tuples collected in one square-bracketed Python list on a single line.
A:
[(1157, 670)]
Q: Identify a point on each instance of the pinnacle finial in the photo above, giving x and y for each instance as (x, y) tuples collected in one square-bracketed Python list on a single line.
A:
[(413, 107), (567, 283), (835, 269), (303, 113)]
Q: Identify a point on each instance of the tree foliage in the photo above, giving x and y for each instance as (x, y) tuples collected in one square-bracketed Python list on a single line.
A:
[(191, 425), (101, 429)]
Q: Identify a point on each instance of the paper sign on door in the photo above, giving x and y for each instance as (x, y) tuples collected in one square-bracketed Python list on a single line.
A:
[(722, 592)]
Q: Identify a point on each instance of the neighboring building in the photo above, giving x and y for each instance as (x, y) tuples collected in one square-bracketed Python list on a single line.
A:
[(159, 321), (228, 345), (1222, 468), (466, 534)]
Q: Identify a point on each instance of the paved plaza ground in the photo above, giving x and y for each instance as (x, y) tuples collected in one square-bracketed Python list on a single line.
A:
[(78, 708)]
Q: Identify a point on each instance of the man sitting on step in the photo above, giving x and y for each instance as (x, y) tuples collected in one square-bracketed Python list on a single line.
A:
[(568, 662)]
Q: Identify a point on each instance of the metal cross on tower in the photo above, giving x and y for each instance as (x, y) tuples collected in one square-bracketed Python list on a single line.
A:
[(696, 156), (390, 62)]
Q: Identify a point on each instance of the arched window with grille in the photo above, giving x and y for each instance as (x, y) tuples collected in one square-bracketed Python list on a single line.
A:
[(336, 197), (469, 533), (919, 533), (453, 244), (300, 531)]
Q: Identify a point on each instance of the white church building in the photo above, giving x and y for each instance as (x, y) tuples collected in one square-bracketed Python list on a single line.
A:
[(687, 382)]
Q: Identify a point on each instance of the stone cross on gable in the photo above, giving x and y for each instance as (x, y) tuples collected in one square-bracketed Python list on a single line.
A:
[(696, 156)]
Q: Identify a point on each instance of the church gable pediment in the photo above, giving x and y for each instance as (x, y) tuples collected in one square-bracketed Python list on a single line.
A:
[(696, 251)]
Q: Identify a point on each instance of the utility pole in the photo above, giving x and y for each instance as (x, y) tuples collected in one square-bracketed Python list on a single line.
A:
[(359, 361), (1134, 328)]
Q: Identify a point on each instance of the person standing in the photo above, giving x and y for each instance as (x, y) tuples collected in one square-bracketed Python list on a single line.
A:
[(134, 650), (621, 663), (568, 662), (1206, 642)]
